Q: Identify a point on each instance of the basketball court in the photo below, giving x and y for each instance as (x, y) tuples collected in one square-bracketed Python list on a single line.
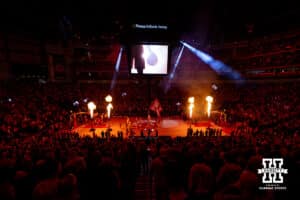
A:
[(173, 127)]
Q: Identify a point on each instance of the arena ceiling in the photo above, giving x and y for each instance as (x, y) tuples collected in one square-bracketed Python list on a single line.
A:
[(201, 19)]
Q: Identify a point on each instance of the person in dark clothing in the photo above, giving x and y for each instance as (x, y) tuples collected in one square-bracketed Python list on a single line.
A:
[(137, 62)]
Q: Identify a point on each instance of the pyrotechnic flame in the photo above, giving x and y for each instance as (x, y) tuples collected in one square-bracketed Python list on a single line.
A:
[(91, 107), (209, 100), (109, 107), (191, 106)]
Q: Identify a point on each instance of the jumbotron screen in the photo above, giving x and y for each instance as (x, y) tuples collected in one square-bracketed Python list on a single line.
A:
[(149, 59)]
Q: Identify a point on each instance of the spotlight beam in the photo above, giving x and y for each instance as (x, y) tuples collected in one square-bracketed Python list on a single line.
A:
[(216, 65), (117, 67), (174, 69), (177, 62)]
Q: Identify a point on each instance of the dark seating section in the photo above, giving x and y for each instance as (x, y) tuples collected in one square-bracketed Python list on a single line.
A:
[(40, 158)]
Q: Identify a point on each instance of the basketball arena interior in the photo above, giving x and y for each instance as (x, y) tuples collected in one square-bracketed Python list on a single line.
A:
[(150, 101)]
